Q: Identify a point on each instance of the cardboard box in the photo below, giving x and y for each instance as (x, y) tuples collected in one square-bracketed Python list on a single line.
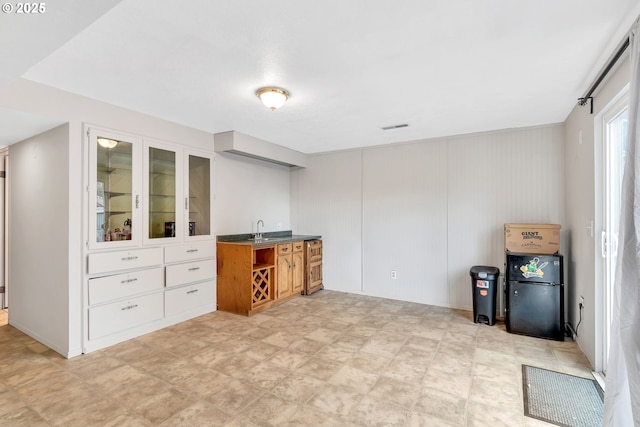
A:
[(541, 239)]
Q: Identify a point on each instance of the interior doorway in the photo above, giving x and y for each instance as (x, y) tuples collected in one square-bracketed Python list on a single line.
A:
[(613, 122)]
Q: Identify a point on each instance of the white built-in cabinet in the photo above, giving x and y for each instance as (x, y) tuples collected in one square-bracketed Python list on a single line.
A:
[(149, 238)]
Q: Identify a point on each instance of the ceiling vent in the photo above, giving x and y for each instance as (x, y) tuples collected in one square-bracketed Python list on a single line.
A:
[(404, 125)]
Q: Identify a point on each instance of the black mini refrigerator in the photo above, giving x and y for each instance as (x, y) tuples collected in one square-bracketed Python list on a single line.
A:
[(535, 295)]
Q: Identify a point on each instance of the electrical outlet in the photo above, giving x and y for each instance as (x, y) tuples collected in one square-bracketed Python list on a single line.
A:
[(394, 274), (581, 305)]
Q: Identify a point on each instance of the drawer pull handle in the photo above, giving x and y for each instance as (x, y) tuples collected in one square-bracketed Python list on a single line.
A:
[(194, 269), (192, 291), (129, 307), (135, 279), (130, 258), (285, 249), (190, 251)]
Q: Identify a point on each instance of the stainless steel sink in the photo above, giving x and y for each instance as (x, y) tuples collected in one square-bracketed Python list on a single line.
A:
[(269, 239)]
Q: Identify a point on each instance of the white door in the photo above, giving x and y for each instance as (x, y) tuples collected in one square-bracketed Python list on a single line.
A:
[(614, 127)]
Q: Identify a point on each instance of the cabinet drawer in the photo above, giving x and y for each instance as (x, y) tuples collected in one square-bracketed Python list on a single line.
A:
[(183, 299), (284, 248), (297, 246), (314, 250), (188, 252), (118, 316), (104, 262), (180, 274), (118, 286), (314, 244)]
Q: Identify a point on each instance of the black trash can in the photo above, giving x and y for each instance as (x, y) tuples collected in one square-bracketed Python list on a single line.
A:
[(483, 285)]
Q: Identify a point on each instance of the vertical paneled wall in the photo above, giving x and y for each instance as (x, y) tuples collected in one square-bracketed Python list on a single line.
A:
[(327, 200), (428, 210), (404, 201), (493, 179)]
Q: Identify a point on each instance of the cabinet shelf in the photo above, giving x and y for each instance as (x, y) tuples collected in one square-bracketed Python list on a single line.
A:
[(173, 196), (261, 266), (111, 169), (163, 173), (115, 194)]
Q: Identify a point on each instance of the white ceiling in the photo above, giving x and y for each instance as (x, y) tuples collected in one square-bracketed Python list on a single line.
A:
[(444, 67)]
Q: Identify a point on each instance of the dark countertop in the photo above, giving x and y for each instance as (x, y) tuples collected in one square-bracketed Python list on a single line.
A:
[(268, 239)]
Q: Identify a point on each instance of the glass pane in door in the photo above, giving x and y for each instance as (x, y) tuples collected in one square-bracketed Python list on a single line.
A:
[(162, 193), (199, 196), (113, 190), (615, 150)]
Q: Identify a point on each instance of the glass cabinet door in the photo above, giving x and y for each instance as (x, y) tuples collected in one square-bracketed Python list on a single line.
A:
[(198, 202), (114, 196), (163, 173)]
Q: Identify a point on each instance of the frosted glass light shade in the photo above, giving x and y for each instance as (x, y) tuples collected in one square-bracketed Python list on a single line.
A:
[(107, 143), (272, 97)]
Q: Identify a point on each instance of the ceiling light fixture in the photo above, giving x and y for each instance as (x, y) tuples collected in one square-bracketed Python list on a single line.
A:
[(272, 97), (107, 143)]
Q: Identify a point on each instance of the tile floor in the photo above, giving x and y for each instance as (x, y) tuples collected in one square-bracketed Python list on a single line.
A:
[(330, 359)]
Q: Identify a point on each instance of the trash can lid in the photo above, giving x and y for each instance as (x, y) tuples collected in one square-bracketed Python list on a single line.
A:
[(484, 272)]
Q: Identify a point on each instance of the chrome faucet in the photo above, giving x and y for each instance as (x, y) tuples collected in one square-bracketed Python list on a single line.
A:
[(258, 233)]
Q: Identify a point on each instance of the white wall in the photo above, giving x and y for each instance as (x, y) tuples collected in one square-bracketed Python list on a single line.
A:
[(404, 202), (326, 199), (247, 190), (39, 238), (493, 179), (583, 198), (429, 209)]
